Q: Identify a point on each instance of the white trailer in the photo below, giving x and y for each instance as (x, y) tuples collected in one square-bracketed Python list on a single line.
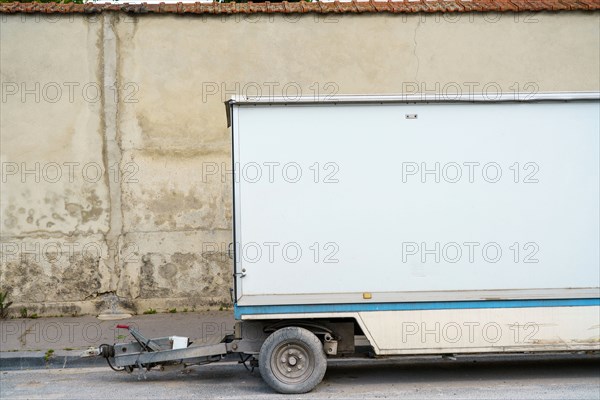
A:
[(411, 225)]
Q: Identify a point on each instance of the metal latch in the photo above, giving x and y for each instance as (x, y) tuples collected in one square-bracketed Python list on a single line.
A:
[(241, 274)]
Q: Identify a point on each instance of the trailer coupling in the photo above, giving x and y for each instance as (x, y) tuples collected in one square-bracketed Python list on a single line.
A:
[(145, 354), (291, 355)]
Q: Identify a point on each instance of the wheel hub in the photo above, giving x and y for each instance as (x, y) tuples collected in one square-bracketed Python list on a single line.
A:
[(294, 363)]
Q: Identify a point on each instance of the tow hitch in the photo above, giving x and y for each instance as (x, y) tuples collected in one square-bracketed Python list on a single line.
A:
[(146, 354)]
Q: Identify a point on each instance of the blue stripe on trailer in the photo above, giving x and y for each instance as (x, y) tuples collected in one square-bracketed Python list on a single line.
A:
[(239, 311)]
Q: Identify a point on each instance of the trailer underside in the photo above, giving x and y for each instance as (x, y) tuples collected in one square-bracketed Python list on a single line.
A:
[(292, 353)]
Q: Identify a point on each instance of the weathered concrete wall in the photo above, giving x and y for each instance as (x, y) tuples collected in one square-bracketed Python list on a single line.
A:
[(55, 207), (128, 192)]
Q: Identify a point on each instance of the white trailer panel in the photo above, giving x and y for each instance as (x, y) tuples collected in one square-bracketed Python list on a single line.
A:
[(378, 200)]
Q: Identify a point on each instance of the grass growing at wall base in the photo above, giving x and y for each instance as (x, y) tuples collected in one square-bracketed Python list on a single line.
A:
[(4, 304)]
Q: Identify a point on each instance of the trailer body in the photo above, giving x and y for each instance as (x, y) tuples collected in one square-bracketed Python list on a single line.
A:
[(404, 225), (439, 226)]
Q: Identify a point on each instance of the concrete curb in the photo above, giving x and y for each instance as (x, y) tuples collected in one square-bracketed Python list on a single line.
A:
[(23, 360), (20, 360)]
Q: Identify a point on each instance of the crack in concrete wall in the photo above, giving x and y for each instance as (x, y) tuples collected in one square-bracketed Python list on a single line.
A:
[(112, 150), (415, 50)]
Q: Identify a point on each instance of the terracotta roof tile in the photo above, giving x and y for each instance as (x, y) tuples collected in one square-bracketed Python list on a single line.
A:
[(371, 6)]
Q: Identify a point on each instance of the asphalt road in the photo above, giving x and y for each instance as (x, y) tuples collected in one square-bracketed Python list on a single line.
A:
[(531, 377)]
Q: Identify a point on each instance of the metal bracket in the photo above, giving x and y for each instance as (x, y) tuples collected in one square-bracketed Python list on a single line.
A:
[(241, 274), (330, 345)]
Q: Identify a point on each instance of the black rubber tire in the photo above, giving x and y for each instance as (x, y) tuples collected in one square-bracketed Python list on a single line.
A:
[(296, 349)]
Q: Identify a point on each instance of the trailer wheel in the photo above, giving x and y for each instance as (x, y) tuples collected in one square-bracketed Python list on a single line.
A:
[(292, 360)]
